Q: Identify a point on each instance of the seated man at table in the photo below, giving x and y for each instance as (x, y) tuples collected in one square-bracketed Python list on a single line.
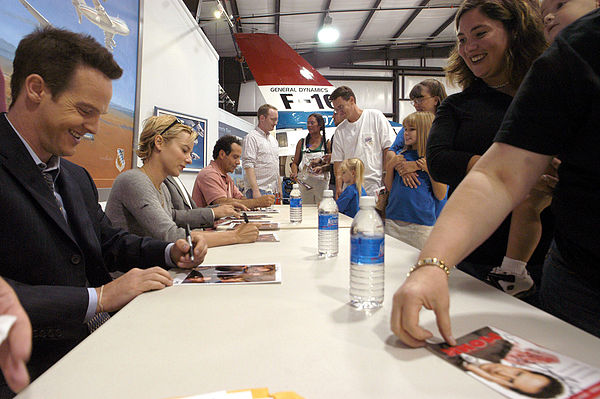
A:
[(214, 185), (58, 246)]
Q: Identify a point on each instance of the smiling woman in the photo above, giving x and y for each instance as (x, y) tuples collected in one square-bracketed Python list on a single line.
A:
[(497, 41)]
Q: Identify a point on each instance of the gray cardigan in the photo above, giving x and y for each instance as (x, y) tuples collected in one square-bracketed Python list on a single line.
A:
[(194, 216)]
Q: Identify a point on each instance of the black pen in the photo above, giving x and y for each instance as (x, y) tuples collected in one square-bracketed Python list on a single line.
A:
[(188, 235), (245, 217)]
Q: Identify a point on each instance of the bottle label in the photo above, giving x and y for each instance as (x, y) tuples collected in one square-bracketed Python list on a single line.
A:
[(328, 222), (296, 202), (366, 250)]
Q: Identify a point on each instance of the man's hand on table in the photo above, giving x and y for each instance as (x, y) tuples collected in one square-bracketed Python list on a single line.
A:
[(16, 348), (180, 252), (225, 210), (123, 289)]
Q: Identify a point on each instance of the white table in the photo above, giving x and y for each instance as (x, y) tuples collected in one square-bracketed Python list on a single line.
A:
[(299, 335), (310, 218)]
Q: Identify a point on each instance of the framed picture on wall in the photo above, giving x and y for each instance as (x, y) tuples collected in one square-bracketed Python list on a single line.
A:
[(115, 25), (200, 126)]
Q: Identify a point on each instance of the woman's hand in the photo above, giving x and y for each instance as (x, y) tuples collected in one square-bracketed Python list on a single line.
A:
[(294, 176), (407, 167), (422, 165), (426, 287), (246, 232)]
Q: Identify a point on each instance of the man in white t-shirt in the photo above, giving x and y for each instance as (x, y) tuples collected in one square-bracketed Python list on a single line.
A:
[(260, 155), (365, 134)]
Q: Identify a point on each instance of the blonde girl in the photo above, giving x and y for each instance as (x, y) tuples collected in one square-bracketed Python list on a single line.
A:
[(411, 212), (353, 175)]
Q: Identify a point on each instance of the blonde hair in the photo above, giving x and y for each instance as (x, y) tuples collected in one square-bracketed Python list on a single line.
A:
[(421, 121), (155, 126), (355, 165)]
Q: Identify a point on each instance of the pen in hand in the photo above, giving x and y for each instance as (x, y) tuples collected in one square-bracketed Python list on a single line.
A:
[(188, 235), (245, 217)]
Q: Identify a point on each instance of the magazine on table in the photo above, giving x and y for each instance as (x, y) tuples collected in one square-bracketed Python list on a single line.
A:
[(517, 368), (251, 218), (270, 209), (255, 273), (268, 237), (262, 225)]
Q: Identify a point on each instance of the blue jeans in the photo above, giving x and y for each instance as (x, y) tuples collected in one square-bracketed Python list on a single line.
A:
[(564, 295)]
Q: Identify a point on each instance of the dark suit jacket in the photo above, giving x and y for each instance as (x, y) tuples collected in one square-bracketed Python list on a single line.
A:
[(49, 262), (194, 216)]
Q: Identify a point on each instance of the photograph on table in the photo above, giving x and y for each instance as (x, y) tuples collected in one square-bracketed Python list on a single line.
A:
[(200, 126), (268, 237), (259, 273), (519, 369), (261, 225)]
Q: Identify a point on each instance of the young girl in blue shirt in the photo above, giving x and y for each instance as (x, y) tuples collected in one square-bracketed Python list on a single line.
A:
[(353, 173), (411, 212)]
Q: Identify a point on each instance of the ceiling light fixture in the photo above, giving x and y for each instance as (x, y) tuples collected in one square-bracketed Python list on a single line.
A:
[(328, 34)]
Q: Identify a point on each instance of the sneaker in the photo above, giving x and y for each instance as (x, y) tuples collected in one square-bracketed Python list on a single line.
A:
[(517, 285)]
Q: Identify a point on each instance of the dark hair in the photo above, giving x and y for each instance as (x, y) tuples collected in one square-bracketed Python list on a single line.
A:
[(321, 123), (264, 110), (435, 87), (524, 27), (343, 91), (224, 143), (54, 54), (553, 389)]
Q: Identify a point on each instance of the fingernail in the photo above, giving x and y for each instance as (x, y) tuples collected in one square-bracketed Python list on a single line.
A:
[(451, 341)]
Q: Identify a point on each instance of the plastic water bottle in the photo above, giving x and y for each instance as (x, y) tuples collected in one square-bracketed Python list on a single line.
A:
[(295, 205), (328, 225), (367, 246)]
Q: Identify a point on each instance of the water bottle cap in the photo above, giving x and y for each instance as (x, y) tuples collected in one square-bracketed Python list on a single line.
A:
[(328, 193), (295, 186), (367, 201)]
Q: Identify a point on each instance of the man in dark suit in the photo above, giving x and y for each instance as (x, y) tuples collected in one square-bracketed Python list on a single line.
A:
[(58, 246)]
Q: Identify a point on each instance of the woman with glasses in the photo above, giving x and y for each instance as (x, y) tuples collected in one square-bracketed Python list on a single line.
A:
[(141, 203), (309, 161), (425, 96), (497, 41)]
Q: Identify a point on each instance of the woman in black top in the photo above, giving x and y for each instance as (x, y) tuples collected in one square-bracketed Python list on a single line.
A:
[(497, 42)]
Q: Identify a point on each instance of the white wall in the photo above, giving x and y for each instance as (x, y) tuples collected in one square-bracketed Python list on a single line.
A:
[(179, 68)]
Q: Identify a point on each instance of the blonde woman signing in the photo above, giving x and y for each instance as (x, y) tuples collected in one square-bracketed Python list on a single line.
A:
[(139, 200)]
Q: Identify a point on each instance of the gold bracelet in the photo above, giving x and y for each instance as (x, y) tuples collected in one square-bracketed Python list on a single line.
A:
[(430, 262), (100, 299)]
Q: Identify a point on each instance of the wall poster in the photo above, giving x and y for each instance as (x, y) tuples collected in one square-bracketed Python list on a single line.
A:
[(113, 24)]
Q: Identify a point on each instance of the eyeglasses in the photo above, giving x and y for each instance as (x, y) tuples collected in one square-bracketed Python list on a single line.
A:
[(419, 100), (175, 122)]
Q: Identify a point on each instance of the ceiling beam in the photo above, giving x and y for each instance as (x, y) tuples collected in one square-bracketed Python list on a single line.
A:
[(327, 10), (411, 18), (441, 28), (367, 20), (277, 16), (235, 14), (320, 59), (323, 14)]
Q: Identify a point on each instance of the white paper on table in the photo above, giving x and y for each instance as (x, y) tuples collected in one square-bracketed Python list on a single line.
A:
[(222, 395), (6, 322)]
